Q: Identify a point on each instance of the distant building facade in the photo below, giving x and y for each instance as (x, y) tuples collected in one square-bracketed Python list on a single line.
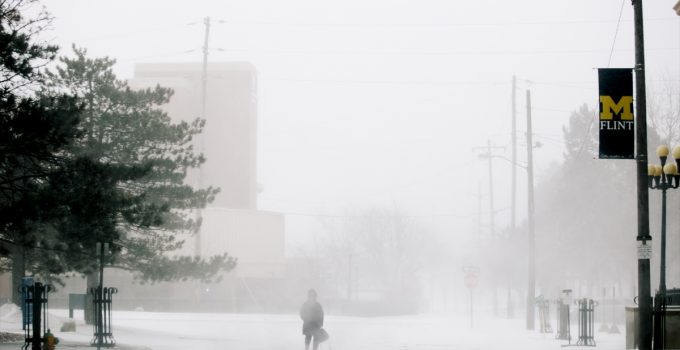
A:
[(231, 222), (229, 139)]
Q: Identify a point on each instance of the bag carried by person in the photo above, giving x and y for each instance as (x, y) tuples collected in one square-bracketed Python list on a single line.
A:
[(321, 335)]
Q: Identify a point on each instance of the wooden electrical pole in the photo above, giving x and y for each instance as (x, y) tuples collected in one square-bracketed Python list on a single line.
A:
[(204, 76), (513, 196), (201, 137), (531, 287), (492, 212)]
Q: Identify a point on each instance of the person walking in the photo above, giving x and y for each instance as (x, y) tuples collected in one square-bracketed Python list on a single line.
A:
[(311, 313)]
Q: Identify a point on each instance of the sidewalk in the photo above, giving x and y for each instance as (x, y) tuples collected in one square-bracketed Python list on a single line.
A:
[(67, 345), (12, 335), (181, 331), (14, 341)]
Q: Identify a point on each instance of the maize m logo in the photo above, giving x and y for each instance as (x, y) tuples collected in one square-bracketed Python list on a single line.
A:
[(616, 121), (623, 108)]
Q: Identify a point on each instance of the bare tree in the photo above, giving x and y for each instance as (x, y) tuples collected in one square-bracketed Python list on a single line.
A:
[(382, 250), (664, 109)]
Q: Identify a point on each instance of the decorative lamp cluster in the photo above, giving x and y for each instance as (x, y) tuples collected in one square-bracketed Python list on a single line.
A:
[(665, 175)]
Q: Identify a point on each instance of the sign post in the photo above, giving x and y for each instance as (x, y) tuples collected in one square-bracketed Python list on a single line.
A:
[(471, 283), (471, 280)]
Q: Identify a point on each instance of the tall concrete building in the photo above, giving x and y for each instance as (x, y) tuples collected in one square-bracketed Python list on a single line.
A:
[(231, 223), (229, 139)]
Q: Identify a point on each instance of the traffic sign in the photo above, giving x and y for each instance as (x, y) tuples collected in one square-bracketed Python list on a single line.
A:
[(471, 280)]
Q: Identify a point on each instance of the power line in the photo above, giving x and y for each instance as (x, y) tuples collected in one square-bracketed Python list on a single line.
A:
[(160, 55), (163, 29), (547, 109), (537, 135), (568, 84), (557, 83), (388, 82), (386, 216), (428, 25), (616, 32), (428, 53), (166, 28)]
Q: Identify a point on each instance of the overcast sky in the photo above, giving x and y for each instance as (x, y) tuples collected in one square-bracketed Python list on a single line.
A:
[(381, 103)]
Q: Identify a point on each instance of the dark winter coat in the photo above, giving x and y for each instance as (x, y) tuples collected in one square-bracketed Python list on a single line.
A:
[(312, 317)]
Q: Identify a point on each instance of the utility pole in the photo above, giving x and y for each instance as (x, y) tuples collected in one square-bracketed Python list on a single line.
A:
[(204, 76), (489, 155), (492, 211), (349, 277), (643, 237), (492, 221), (201, 144), (513, 196), (479, 213), (492, 224), (531, 288)]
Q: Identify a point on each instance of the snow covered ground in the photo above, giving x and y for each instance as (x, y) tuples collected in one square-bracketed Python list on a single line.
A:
[(263, 332)]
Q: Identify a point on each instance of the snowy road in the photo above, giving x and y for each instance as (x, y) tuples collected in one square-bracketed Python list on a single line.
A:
[(174, 331)]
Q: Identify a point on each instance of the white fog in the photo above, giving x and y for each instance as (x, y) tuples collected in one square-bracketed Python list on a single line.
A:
[(364, 154)]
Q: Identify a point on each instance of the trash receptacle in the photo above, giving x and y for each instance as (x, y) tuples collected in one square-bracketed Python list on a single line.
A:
[(632, 335), (672, 323)]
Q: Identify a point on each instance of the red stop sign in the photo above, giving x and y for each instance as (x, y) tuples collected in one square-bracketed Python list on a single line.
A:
[(471, 280)]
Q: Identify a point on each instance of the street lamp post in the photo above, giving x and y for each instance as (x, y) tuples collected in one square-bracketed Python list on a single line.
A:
[(663, 177)]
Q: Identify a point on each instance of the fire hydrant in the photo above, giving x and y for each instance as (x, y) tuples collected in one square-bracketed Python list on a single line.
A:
[(50, 341)]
